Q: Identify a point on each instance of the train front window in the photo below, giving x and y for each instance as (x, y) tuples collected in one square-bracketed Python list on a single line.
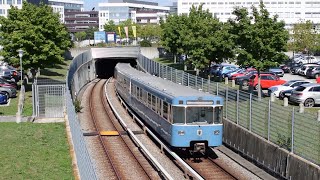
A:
[(218, 115), (178, 115), (199, 115)]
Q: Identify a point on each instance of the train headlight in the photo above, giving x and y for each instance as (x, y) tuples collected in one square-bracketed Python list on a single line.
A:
[(181, 133), (216, 132)]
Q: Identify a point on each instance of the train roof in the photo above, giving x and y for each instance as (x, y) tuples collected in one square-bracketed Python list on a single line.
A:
[(164, 85)]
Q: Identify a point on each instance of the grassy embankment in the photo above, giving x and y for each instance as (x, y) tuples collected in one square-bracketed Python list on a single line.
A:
[(31, 150)]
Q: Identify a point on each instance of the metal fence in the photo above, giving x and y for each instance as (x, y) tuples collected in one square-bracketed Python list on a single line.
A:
[(297, 132), (74, 82), (48, 98)]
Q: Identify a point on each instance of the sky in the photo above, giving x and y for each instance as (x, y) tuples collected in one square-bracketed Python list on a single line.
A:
[(89, 4)]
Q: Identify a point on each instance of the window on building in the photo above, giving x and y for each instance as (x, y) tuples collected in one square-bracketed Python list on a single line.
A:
[(9, 2), (19, 2)]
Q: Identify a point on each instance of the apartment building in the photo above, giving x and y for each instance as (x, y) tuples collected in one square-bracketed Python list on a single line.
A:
[(59, 6), (291, 11), (140, 12), (77, 21)]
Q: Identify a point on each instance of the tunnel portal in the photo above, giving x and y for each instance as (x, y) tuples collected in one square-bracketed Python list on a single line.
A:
[(105, 66)]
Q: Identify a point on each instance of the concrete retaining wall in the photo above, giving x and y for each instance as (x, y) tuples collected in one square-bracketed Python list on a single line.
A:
[(268, 155), (150, 52)]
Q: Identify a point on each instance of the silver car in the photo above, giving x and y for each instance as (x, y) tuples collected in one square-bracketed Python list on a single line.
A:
[(308, 94), (9, 91)]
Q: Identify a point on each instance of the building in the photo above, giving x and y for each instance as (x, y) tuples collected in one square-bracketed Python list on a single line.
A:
[(62, 6), (5, 5), (70, 12), (174, 8), (140, 12), (291, 11), (80, 21)]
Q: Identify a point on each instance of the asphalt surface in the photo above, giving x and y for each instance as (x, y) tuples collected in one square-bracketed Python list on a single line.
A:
[(288, 77)]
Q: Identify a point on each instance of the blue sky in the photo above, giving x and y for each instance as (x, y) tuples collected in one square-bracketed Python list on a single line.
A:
[(89, 4)]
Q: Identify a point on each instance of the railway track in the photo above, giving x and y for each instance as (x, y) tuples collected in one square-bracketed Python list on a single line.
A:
[(206, 166), (120, 152)]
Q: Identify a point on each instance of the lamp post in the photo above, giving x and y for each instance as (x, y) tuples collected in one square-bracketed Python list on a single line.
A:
[(20, 55)]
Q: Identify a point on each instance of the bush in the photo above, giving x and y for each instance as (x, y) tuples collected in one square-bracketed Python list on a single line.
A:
[(77, 105), (145, 43)]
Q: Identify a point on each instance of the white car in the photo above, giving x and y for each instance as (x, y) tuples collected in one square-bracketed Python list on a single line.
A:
[(307, 59), (286, 86)]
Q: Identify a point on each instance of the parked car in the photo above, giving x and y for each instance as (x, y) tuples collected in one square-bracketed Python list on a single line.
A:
[(244, 79), (294, 67), (9, 74), (214, 69), (236, 71), (285, 68), (9, 91), (224, 69), (3, 98), (6, 81), (313, 72), (277, 70), (286, 93), (306, 59), (305, 67), (286, 86), (266, 81), (308, 94)]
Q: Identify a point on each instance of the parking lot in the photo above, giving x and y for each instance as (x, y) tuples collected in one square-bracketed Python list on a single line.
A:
[(288, 77)]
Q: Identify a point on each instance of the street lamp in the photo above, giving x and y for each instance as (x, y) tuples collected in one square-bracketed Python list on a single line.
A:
[(20, 55)]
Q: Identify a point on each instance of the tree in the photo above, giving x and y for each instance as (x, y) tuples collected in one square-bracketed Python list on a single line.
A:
[(90, 32), (110, 26), (261, 40), (150, 32), (207, 39), (38, 32), (80, 35), (173, 34), (200, 36), (304, 37)]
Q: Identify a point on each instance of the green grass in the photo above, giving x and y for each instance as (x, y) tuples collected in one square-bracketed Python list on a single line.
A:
[(57, 72), (34, 151)]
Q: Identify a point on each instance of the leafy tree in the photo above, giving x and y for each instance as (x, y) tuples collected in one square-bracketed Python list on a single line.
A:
[(90, 32), (38, 32), (173, 34), (261, 40), (304, 37), (207, 39), (110, 26), (200, 36), (150, 32), (80, 35)]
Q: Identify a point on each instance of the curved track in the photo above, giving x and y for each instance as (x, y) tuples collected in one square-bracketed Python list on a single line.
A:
[(119, 149)]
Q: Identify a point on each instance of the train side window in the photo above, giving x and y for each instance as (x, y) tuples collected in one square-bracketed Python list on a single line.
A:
[(149, 100), (158, 105), (132, 90), (178, 115), (218, 115), (138, 92), (165, 109), (145, 97), (153, 102), (170, 113)]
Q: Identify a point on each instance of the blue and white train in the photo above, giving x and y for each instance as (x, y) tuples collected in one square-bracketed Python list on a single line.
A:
[(184, 117)]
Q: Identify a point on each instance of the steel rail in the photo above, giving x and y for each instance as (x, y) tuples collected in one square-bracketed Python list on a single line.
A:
[(110, 115), (100, 137), (138, 142)]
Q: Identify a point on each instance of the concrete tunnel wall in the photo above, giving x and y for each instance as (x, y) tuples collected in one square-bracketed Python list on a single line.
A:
[(264, 153)]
